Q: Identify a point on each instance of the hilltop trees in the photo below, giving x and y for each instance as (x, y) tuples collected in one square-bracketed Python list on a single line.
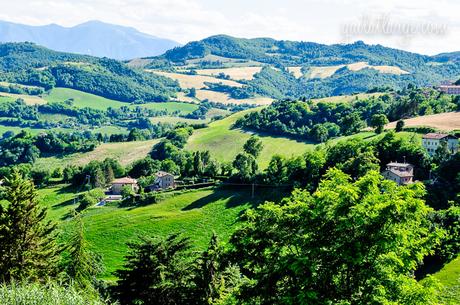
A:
[(348, 243), (28, 248), (378, 121)]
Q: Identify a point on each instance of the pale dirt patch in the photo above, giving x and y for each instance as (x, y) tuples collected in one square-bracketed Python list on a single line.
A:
[(28, 99), (195, 81), (225, 99), (236, 73), (448, 121), (297, 71), (323, 72)]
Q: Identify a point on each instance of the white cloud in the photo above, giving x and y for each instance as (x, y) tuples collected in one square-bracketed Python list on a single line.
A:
[(185, 20)]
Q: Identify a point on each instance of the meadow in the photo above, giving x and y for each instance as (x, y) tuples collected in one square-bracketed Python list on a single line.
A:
[(196, 214), (125, 152), (82, 99)]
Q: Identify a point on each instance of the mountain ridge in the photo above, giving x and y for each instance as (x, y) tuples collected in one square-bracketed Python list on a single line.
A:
[(95, 38)]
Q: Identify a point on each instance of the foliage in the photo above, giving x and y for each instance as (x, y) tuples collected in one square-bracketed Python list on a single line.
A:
[(28, 248), (348, 243), (156, 272), (45, 294), (19, 62)]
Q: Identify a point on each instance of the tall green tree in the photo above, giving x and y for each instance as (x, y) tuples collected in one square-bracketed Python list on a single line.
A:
[(378, 121), (246, 165), (156, 272), (348, 243), (27, 239), (253, 146), (81, 265)]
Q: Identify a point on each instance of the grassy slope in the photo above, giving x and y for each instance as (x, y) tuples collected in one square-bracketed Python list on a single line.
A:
[(83, 99), (225, 143), (196, 214), (125, 152), (449, 276)]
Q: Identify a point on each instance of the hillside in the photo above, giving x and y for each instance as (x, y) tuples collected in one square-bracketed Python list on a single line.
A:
[(30, 64), (449, 121), (94, 38), (291, 69)]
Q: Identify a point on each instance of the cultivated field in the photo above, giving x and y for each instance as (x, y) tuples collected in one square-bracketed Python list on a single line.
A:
[(328, 71), (195, 81), (125, 152), (237, 73), (443, 121), (297, 71), (224, 98), (82, 99), (28, 99)]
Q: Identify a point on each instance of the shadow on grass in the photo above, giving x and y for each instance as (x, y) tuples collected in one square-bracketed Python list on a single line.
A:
[(237, 196)]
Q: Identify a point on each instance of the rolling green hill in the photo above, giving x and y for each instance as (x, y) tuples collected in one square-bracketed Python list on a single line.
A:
[(82, 99), (196, 214), (30, 64), (225, 143), (289, 66)]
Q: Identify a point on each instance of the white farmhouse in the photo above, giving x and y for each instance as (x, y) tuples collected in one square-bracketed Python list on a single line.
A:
[(431, 142), (401, 173)]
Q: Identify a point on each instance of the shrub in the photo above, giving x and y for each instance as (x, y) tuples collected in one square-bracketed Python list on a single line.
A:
[(45, 294)]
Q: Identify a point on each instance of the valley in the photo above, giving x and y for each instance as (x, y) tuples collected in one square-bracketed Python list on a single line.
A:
[(243, 156)]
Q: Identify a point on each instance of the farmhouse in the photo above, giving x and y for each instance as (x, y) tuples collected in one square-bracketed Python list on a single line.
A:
[(118, 184), (450, 89), (401, 173), (163, 180), (431, 142)]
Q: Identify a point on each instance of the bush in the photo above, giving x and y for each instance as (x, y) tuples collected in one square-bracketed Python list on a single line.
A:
[(91, 198), (45, 294)]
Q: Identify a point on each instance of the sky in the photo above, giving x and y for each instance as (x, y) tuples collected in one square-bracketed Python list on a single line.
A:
[(422, 26)]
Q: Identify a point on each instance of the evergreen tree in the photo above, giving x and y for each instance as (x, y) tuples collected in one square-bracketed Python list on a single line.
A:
[(82, 266), (27, 240), (156, 272)]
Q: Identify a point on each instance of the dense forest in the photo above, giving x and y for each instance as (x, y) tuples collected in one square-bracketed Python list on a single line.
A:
[(29, 64), (324, 120)]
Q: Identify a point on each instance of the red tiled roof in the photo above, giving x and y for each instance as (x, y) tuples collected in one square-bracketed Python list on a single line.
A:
[(162, 174), (124, 180), (436, 136)]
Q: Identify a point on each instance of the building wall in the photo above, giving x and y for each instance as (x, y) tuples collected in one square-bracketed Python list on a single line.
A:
[(117, 187), (432, 144), (166, 182)]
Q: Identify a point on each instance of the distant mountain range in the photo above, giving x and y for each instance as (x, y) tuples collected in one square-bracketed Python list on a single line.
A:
[(91, 38)]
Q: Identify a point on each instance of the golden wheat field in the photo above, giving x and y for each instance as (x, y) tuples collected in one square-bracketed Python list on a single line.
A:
[(443, 121), (236, 73), (195, 81)]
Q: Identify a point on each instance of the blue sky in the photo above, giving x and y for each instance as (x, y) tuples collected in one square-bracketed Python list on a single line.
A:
[(435, 25)]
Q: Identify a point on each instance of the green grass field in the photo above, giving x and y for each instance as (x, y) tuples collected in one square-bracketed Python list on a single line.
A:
[(125, 152), (83, 99), (449, 277), (225, 143), (195, 214)]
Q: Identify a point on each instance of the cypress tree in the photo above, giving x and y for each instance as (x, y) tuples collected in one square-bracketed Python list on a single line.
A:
[(27, 239)]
